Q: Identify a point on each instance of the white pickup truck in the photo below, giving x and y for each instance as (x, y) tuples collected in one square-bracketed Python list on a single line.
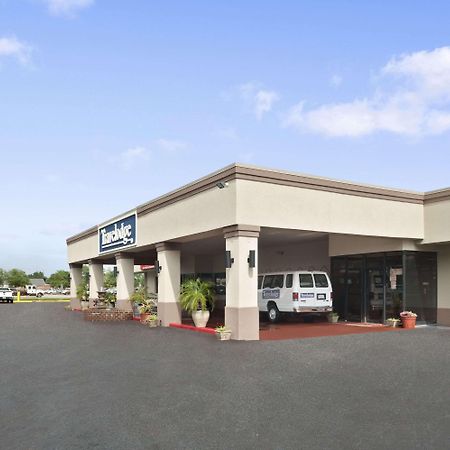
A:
[(6, 295), (31, 290)]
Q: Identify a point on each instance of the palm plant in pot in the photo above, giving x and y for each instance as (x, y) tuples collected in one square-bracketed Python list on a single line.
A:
[(83, 296), (197, 298)]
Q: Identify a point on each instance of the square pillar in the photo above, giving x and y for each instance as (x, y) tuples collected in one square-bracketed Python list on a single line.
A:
[(150, 281), (241, 307), (76, 278), (169, 277), (125, 281), (95, 280)]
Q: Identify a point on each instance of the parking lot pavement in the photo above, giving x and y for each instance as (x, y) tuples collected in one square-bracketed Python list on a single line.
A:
[(70, 384)]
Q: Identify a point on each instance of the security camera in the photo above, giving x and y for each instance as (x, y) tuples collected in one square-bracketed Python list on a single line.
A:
[(222, 184)]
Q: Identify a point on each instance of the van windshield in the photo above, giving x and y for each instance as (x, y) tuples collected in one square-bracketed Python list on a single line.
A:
[(321, 280)]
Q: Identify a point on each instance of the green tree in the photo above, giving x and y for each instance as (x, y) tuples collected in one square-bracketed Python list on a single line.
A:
[(38, 274), (110, 279), (60, 278), (3, 277), (85, 274), (17, 278)]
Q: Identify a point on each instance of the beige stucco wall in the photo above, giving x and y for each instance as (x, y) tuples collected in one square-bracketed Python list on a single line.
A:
[(83, 249), (308, 255), (279, 206), (437, 222), (209, 210)]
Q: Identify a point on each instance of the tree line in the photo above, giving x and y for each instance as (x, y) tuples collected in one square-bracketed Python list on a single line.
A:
[(19, 278)]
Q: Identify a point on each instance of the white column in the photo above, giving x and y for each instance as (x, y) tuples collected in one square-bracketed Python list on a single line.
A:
[(75, 281), (150, 281), (125, 280), (241, 308), (95, 280), (169, 278)]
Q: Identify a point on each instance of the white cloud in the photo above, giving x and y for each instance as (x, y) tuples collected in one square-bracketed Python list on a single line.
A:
[(416, 101), (336, 80), (68, 8), (260, 100), (171, 145), (13, 48), (130, 157)]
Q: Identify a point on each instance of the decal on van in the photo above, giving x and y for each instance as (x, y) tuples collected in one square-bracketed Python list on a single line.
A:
[(306, 294), (270, 294)]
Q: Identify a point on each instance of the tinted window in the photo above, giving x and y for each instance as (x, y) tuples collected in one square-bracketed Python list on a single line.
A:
[(277, 281), (321, 280), (289, 280), (306, 280), (268, 281), (260, 280)]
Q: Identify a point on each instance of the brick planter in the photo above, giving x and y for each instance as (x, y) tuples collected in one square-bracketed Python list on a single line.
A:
[(104, 315)]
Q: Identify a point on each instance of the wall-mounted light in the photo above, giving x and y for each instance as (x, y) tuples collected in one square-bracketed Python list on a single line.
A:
[(222, 184), (251, 258), (228, 259), (158, 268)]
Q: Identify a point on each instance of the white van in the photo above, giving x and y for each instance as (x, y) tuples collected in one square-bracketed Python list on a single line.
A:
[(294, 292)]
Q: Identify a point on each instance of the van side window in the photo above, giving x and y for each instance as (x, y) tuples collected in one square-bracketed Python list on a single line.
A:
[(260, 281), (277, 281), (267, 281), (289, 277), (321, 280), (306, 280)]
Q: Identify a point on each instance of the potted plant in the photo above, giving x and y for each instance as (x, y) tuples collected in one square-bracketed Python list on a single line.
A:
[(408, 319), (110, 300), (333, 317), (147, 308), (83, 296), (152, 320), (197, 298), (136, 299), (392, 322), (223, 333)]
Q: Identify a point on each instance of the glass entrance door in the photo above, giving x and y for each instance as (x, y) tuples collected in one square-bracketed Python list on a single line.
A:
[(375, 289), (355, 291)]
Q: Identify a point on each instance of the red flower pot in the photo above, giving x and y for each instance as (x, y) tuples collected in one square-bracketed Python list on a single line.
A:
[(409, 322)]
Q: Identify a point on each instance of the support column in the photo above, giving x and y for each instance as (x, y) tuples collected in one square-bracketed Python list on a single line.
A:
[(241, 307), (169, 277), (150, 281), (96, 280), (75, 281), (125, 281)]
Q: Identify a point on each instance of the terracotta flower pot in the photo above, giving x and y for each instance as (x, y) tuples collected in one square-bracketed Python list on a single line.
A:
[(144, 317), (408, 322)]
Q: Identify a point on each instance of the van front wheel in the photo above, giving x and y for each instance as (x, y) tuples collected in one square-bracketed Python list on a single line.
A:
[(272, 312)]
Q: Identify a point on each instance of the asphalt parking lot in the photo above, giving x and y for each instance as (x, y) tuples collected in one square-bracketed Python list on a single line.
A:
[(66, 383)]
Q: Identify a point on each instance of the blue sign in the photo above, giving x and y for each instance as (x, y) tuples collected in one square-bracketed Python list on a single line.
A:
[(117, 235), (271, 294)]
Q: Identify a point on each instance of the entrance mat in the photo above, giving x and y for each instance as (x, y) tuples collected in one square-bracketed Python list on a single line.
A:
[(192, 328), (364, 324)]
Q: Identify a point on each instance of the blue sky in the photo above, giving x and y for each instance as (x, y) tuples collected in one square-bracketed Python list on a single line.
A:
[(107, 104)]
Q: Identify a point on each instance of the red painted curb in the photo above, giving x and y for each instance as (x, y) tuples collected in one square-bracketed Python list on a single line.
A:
[(137, 318), (205, 330)]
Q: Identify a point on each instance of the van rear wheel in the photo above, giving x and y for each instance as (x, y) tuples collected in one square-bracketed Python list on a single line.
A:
[(272, 313)]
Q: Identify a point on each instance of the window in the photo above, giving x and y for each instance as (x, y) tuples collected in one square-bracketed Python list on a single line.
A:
[(273, 281), (277, 281), (289, 278), (320, 280), (260, 281), (267, 281), (306, 280)]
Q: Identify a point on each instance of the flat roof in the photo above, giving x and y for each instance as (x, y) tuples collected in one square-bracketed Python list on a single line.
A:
[(281, 177)]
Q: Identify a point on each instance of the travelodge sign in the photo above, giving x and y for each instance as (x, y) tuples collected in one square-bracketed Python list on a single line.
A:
[(117, 235)]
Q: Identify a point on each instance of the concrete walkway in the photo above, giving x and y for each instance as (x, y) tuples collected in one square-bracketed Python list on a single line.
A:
[(69, 384)]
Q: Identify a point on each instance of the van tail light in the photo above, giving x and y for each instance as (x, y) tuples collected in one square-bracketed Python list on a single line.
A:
[(294, 296)]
